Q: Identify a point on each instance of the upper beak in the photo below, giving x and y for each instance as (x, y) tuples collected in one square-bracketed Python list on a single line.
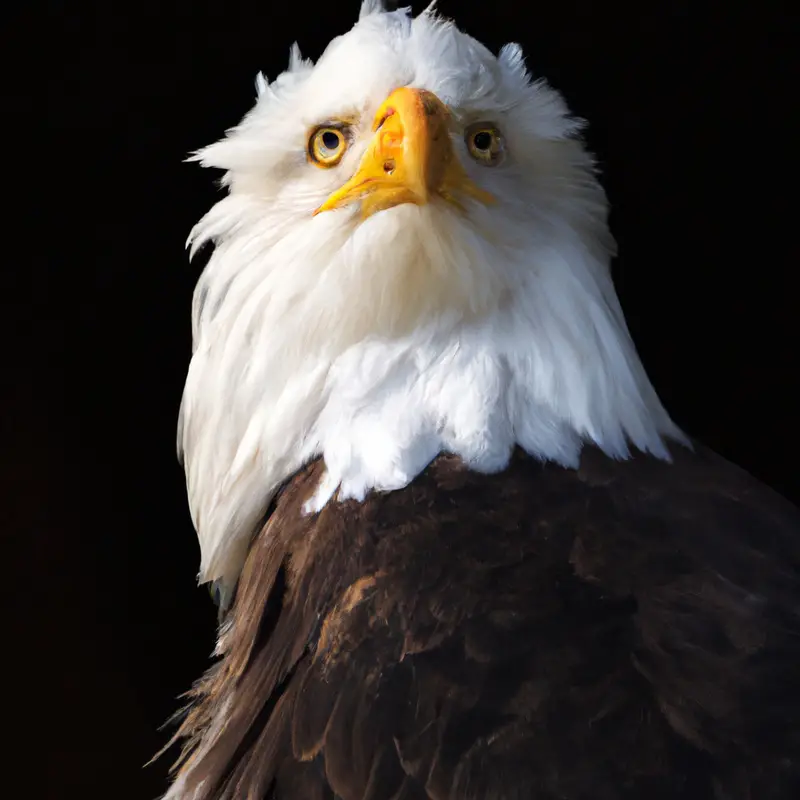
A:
[(409, 160)]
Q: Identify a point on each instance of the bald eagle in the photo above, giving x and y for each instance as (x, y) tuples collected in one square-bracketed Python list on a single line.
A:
[(460, 548)]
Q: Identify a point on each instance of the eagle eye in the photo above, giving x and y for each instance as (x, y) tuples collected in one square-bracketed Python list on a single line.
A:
[(485, 143), (326, 146)]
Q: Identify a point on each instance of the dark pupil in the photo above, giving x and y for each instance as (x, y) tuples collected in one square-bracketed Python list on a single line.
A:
[(483, 140), (330, 140)]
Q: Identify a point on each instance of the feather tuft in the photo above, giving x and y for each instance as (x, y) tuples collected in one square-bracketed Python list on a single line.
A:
[(262, 84), (369, 7)]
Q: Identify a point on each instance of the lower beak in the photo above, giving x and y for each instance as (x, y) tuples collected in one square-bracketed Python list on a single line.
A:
[(409, 160)]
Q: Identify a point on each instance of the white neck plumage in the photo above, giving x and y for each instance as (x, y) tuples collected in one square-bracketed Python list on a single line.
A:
[(388, 342)]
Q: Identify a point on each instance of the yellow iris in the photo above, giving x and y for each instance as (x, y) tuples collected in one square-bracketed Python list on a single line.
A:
[(326, 146), (485, 144)]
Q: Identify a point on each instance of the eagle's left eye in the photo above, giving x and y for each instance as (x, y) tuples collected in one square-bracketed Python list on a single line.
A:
[(326, 146), (485, 143)]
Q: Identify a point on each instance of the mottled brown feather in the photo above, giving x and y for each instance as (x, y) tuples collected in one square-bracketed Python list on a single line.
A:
[(622, 631)]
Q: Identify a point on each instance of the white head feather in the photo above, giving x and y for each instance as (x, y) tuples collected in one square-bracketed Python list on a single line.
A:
[(380, 343)]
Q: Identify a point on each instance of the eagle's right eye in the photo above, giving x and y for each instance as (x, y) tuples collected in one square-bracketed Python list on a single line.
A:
[(326, 146)]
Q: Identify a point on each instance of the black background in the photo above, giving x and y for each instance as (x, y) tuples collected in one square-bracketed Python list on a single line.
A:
[(689, 103)]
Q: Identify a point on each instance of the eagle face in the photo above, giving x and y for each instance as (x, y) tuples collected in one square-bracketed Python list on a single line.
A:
[(404, 170), (412, 258)]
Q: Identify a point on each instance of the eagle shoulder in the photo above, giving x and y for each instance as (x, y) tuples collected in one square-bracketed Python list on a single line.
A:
[(478, 636)]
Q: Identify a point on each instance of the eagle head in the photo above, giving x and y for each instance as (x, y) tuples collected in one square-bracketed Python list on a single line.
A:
[(412, 257)]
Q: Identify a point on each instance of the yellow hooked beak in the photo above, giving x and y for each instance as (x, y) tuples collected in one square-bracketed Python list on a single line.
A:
[(409, 160)]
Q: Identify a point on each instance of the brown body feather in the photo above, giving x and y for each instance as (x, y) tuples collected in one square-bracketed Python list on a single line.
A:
[(628, 630)]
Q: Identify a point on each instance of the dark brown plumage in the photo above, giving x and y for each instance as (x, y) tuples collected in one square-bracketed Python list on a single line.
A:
[(627, 630)]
